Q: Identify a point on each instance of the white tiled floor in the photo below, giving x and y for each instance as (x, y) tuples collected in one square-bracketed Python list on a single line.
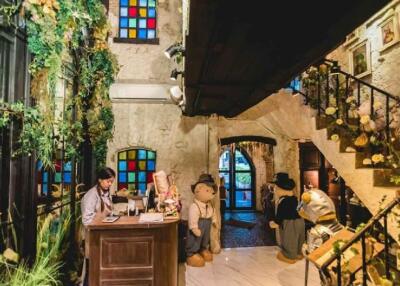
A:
[(248, 266)]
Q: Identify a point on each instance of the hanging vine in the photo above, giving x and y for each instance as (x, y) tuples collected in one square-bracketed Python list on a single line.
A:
[(63, 34)]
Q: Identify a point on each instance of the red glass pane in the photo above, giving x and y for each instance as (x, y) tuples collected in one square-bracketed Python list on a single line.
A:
[(58, 166), (149, 177), (131, 165), (39, 177), (151, 23), (132, 12), (122, 186)]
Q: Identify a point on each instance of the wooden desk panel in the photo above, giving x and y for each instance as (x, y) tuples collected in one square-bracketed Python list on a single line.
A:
[(128, 253)]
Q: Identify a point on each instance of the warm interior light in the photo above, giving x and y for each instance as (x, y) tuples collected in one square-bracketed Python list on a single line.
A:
[(176, 94)]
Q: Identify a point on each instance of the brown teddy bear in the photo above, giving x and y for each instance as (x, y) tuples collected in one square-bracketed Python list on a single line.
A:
[(200, 219)]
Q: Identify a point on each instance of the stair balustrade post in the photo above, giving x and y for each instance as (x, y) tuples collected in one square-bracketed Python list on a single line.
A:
[(386, 247), (364, 263)]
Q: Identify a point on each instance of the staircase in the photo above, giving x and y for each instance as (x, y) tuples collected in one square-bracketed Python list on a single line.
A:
[(285, 113)]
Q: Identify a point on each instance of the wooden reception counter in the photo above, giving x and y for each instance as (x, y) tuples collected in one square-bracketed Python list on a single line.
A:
[(127, 252)]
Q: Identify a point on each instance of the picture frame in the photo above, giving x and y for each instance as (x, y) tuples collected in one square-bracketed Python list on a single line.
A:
[(388, 31), (360, 59), (352, 37)]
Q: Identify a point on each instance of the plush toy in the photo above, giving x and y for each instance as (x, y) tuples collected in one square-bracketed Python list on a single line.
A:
[(317, 207), (200, 219)]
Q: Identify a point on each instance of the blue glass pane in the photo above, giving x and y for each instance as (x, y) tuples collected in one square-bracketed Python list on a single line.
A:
[(124, 12), (143, 3), (224, 161), (57, 178), (241, 162), (142, 154), (142, 23), (142, 187), (123, 33), (67, 167), (123, 23), (150, 165), (151, 34), (44, 189), (243, 199), (142, 34), (124, 2), (122, 177), (142, 177), (226, 177), (67, 178), (122, 165), (151, 13), (45, 177), (39, 164)]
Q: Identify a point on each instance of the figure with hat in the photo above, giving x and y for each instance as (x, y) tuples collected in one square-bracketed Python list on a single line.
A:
[(201, 213), (291, 225)]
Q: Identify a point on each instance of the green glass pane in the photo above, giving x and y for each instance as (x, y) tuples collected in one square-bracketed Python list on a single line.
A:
[(132, 155), (151, 155), (132, 23), (57, 178), (243, 180), (131, 187), (142, 165), (241, 162), (152, 3), (131, 177), (122, 156)]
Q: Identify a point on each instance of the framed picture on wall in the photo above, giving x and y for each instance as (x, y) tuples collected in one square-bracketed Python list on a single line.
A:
[(388, 31), (360, 59)]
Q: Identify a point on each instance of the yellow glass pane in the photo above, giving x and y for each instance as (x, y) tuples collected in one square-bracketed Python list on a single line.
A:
[(122, 155), (132, 2), (132, 33), (142, 165), (132, 155), (143, 12)]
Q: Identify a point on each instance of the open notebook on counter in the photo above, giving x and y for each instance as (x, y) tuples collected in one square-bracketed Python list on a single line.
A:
[(151, 217)]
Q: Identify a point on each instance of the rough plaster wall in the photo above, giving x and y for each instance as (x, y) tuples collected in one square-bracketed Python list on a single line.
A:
[(180, 142), (142, 63), (385, 65), (263, 163)]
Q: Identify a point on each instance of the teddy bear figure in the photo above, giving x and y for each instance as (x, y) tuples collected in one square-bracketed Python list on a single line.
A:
[(201, 214)]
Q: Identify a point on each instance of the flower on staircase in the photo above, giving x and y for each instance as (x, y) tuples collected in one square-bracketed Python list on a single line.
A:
[(330, 110), (335, 137), (367, 161), (339, 121), (378, 158), (361, 140)]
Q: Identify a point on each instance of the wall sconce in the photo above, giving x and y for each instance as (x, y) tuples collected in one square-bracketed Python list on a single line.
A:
[(173, 50), (335, 68), (176, 94), (175, 73)]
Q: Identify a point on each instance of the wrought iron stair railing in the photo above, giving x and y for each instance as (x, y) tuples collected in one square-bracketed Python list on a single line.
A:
[(362, 235)]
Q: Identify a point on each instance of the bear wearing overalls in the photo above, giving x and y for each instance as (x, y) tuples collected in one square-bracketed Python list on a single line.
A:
[(201, 214)]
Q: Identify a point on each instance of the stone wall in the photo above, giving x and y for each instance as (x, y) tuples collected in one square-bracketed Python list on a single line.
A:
[(385, 63)]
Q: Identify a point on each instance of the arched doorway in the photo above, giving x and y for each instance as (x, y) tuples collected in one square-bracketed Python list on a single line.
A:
[(236, 167)]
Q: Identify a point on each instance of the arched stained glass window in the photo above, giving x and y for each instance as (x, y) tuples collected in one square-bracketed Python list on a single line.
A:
[(135, 169), (46, 178), (137, 21)]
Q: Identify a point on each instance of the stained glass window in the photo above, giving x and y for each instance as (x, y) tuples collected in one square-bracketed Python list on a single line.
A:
[(137, 19), (46, 178), (136, 168)]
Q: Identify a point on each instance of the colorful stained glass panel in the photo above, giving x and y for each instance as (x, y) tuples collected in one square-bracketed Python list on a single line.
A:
[(142, 165), (131, 177), (142, 177), (151, 34), (122, 186), (131, 165), (122, 156), (67, 167), (152, 3), (45, 177), (44, 190), (132, 2), (150, 165), (151, 13), (123, 23), (142, 187), (142, 34), (142, 154), (132, 24), (132, 153), (67, 178), (143, 3), (151, 155), (123, 33), (124, 12), (122, 165), (142, 23), (132, 12), (131, 187), (122, 177), (151, 23), (143, 12), (57, 178), (149, 177), (132, 33), (124, 2)]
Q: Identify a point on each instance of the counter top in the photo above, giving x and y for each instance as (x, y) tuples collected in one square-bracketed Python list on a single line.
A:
[(127, 222)]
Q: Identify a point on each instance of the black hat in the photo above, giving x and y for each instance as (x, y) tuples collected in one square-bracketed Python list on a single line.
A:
[(205, 179), (283, 181)]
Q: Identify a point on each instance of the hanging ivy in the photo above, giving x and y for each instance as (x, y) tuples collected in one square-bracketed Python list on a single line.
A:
[(63, 34)]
